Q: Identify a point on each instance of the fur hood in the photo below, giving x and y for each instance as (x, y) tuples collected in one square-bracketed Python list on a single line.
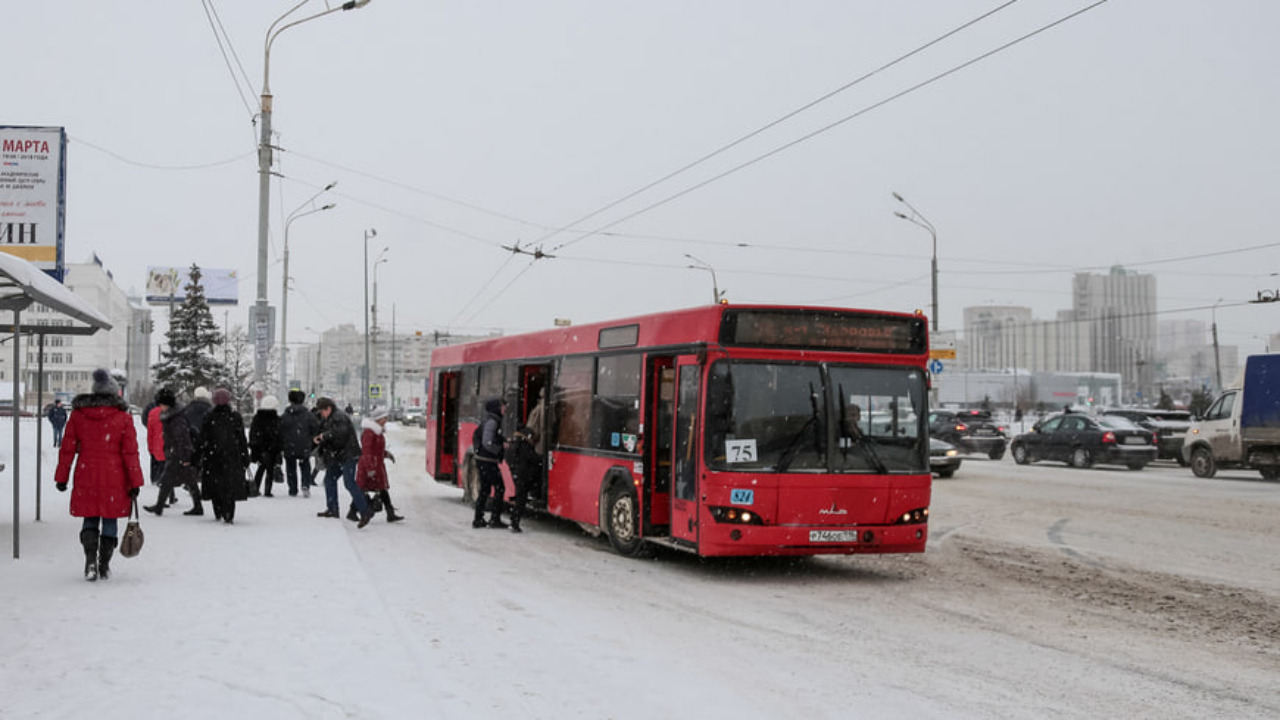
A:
[(88, 400), (374, 425)]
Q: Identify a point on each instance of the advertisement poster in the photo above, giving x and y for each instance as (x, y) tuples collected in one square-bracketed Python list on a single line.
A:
[(221, 287), (32, 194)]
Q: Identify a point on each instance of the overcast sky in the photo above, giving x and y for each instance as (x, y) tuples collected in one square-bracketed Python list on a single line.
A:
[(1140, 133)]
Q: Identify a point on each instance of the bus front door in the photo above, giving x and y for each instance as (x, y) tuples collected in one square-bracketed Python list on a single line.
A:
[(684, 452)]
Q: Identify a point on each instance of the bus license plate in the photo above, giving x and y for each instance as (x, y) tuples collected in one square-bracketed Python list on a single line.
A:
[(833, 536)]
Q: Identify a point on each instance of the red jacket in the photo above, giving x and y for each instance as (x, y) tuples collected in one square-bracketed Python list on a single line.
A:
[(102, 442), (371, 473), (155, 434)]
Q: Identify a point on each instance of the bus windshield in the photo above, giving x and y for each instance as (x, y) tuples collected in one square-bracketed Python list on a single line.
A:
[(815, 417)]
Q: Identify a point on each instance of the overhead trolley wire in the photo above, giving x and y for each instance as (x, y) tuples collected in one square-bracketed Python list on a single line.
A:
[(837, 123), (767, 126)]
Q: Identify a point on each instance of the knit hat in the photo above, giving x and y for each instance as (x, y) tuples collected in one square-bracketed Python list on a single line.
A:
[(165, 396), (269, 402), (297, 397), (201, 392), (103, 384), (222, 396), (378, 413)]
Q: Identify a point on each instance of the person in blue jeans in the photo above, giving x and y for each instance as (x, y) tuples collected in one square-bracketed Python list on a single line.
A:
[(58, 419), (340, 452)]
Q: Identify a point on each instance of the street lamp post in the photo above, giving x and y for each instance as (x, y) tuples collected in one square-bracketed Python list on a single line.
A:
[(260, 322), (916, 218), (284, 287), (374, 309), (1217, 362), (364, 395), (704, 265)]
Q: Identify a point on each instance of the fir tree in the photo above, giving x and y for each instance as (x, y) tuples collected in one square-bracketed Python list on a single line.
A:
[(190, 360)]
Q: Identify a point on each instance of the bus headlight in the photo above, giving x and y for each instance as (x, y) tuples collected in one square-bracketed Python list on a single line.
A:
[(913, 517), (735, 516)]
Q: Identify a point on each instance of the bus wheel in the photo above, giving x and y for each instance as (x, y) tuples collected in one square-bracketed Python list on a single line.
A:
[(1202, 463), (623, 521)]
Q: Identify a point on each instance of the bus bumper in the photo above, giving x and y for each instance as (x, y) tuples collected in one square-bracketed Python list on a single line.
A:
[(728, 540)]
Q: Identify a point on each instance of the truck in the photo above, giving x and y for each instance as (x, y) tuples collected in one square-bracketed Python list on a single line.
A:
[(1241, 429)]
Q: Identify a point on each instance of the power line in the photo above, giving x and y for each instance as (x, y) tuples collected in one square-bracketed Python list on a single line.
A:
[(774, 123), (215, 24), (152, 166), (837, 123)]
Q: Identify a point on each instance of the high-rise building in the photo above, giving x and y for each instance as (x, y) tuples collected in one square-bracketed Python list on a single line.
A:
[(1119, 309)]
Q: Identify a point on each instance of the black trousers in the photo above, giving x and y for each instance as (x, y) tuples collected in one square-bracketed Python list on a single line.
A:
[(490, 484)]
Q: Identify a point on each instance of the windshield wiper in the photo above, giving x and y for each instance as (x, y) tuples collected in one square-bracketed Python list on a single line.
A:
[(789, 454)]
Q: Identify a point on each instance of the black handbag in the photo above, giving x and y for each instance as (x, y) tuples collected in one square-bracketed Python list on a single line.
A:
[(131, 541)]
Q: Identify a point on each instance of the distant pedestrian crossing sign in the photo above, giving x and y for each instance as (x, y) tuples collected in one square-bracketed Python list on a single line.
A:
[(375, 391)]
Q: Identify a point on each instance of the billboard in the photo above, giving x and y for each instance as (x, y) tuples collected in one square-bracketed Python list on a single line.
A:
[(169, 283), (33, 179)]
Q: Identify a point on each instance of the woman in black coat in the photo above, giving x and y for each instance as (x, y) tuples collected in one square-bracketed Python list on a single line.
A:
[(266, 445), (224, 457), (181, 472)]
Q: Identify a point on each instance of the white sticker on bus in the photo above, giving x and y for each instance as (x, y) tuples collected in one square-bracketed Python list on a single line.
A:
[(740, 451)]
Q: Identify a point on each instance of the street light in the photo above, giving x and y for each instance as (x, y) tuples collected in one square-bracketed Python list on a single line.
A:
[(378, 261), (704, 265), (284, 286), (364, 395), (1217, 362), (916, 218), (259, 316)]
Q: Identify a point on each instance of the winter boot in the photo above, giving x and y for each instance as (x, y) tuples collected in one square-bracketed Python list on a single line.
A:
[(391, 511), (496, 522), (157, 509), (89, 539), (352, 515), (105, 548), (515, 524)]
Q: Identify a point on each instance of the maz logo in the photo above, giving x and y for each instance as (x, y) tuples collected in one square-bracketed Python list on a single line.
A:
[(833, 510)]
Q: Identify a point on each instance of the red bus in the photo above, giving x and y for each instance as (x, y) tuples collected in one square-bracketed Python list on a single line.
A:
[(719, 430)]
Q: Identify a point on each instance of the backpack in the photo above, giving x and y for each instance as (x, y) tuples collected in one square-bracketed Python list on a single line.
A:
[(477, 441)]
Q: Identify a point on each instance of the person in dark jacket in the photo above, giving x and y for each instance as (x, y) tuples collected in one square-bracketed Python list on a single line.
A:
[(372, 469), (526, 470), (340, 453), (224, 457), (297, 427), (196, 411), (266, 445), (58, 419), (488, 454), (101, 442), (179, 451)]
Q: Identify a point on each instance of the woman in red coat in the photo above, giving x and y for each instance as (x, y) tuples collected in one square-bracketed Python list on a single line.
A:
[(371, 473), (102, 443)]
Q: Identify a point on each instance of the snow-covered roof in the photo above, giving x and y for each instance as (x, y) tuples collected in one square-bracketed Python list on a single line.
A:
[(22, 282)]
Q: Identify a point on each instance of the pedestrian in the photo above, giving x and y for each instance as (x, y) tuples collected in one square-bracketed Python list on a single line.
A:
[(488, 454), (194, 413), (179, 464), (164, 400), (340, 453), (526, 470), (297, 426), (58, 419), (371, 472), (266, 445), (224, 457), (103, 444)]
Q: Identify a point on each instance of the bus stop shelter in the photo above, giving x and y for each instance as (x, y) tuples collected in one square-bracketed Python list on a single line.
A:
[(21, 284)]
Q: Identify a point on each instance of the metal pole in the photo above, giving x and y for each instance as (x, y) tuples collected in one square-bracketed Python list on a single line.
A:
[(917, 218), (393, 356), (364, 395), (284, 292), (39, 415), (17, 415)]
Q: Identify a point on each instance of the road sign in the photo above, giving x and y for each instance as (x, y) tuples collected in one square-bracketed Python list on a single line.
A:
[(375, 392), (935, 366)]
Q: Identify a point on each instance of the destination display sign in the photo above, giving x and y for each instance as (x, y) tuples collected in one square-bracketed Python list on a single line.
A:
[(824, 329)]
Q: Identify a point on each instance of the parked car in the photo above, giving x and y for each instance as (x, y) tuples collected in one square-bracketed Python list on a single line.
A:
[(971, 431), (1170, 427), (944, 458), (1082, 441), (414, 416)]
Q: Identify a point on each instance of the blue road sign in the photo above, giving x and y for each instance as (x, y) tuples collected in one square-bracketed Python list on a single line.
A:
[(935, 366)]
